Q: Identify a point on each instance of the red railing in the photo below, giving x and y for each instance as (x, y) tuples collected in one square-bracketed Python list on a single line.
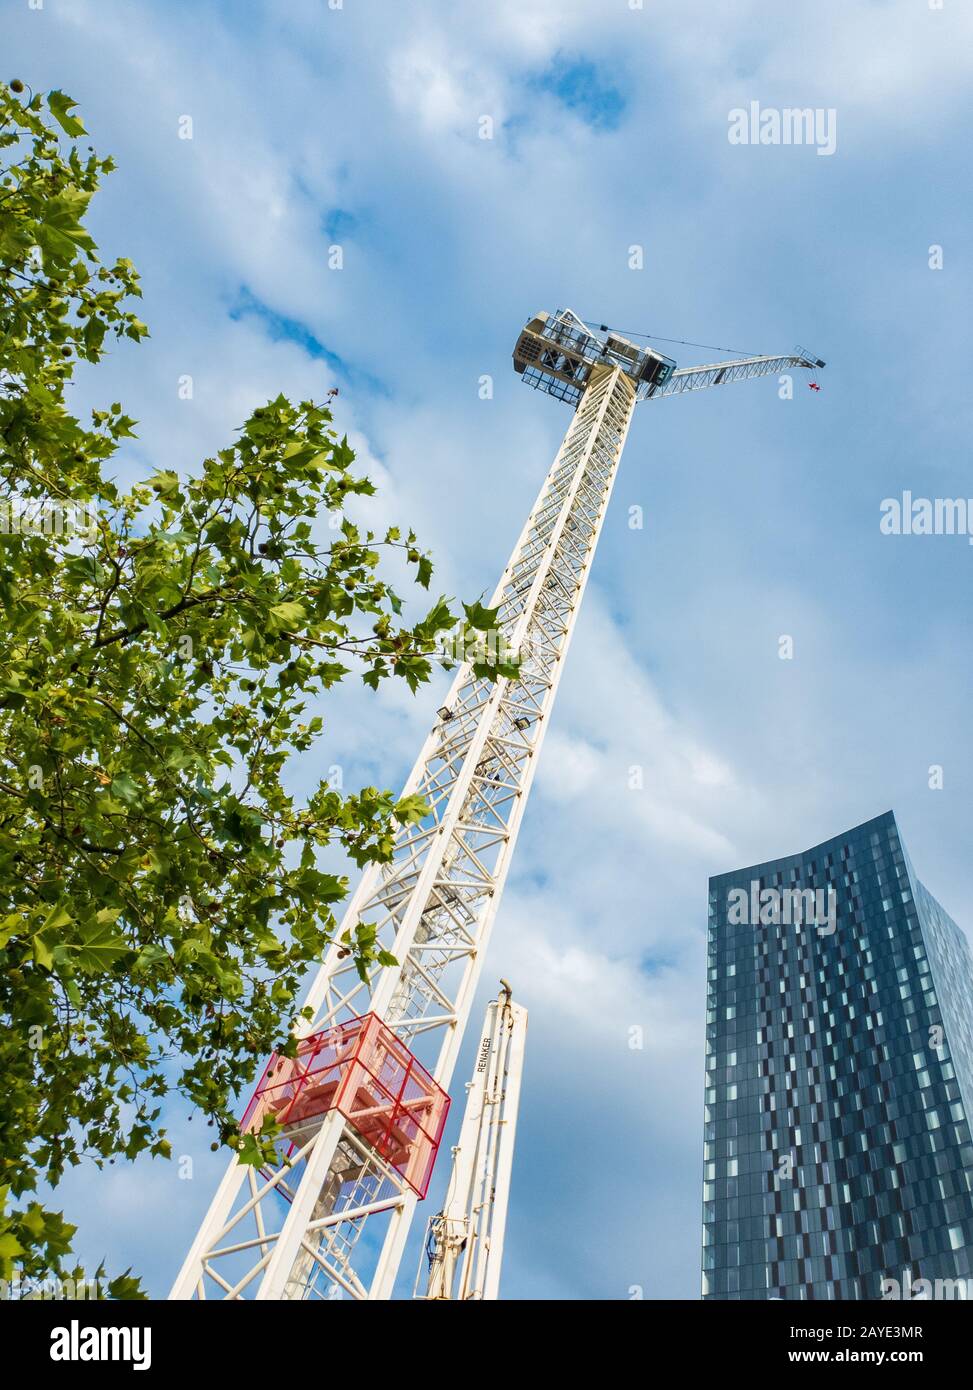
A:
[(363, 1070)]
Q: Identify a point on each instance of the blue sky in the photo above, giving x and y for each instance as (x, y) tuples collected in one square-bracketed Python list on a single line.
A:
[(361, 126)]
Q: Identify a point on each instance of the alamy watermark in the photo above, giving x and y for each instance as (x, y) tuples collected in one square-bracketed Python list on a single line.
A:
[(790, 125), (492, 647), (925, 1290), (926, 516), (46, 516), (78, 1343), (18, 1290), (771, 907)]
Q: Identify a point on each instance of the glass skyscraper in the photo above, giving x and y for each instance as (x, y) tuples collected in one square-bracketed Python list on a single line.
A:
[(839, 1079)]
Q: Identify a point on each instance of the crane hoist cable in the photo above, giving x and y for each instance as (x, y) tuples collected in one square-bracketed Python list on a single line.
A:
[(681, 342)]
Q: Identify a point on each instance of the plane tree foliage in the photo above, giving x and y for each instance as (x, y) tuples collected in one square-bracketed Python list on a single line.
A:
[(166, 651)]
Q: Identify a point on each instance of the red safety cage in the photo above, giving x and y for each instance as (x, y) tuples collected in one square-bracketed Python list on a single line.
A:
[(363, 1070)]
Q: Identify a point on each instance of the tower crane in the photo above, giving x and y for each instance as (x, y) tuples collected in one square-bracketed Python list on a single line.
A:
[(464, 1242), (362, 1104)]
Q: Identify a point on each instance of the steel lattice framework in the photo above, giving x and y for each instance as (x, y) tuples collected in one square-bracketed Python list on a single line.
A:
[(464, 1247), (332, 1218), (718, 373)]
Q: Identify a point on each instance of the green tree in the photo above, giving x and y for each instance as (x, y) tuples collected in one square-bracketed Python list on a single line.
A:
[(162, 889)]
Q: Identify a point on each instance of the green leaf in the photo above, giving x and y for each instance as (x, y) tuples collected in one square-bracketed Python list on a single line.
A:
[(33, 1219), (149, 957), (164, 482), (483, 619), (126, 1288), (43, 951), (10, 924), (56, 918), (250, 1152), (61, 107), (100, 946), (125, 788), (290, 614)]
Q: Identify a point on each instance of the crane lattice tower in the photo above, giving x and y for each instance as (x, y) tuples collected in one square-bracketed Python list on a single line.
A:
[(364, 1102)]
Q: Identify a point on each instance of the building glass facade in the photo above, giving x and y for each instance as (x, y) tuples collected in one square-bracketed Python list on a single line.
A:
[(839, 1079)]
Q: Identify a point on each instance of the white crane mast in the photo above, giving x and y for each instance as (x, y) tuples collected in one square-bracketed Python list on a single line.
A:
[(465, 1240), (358, 1149)]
